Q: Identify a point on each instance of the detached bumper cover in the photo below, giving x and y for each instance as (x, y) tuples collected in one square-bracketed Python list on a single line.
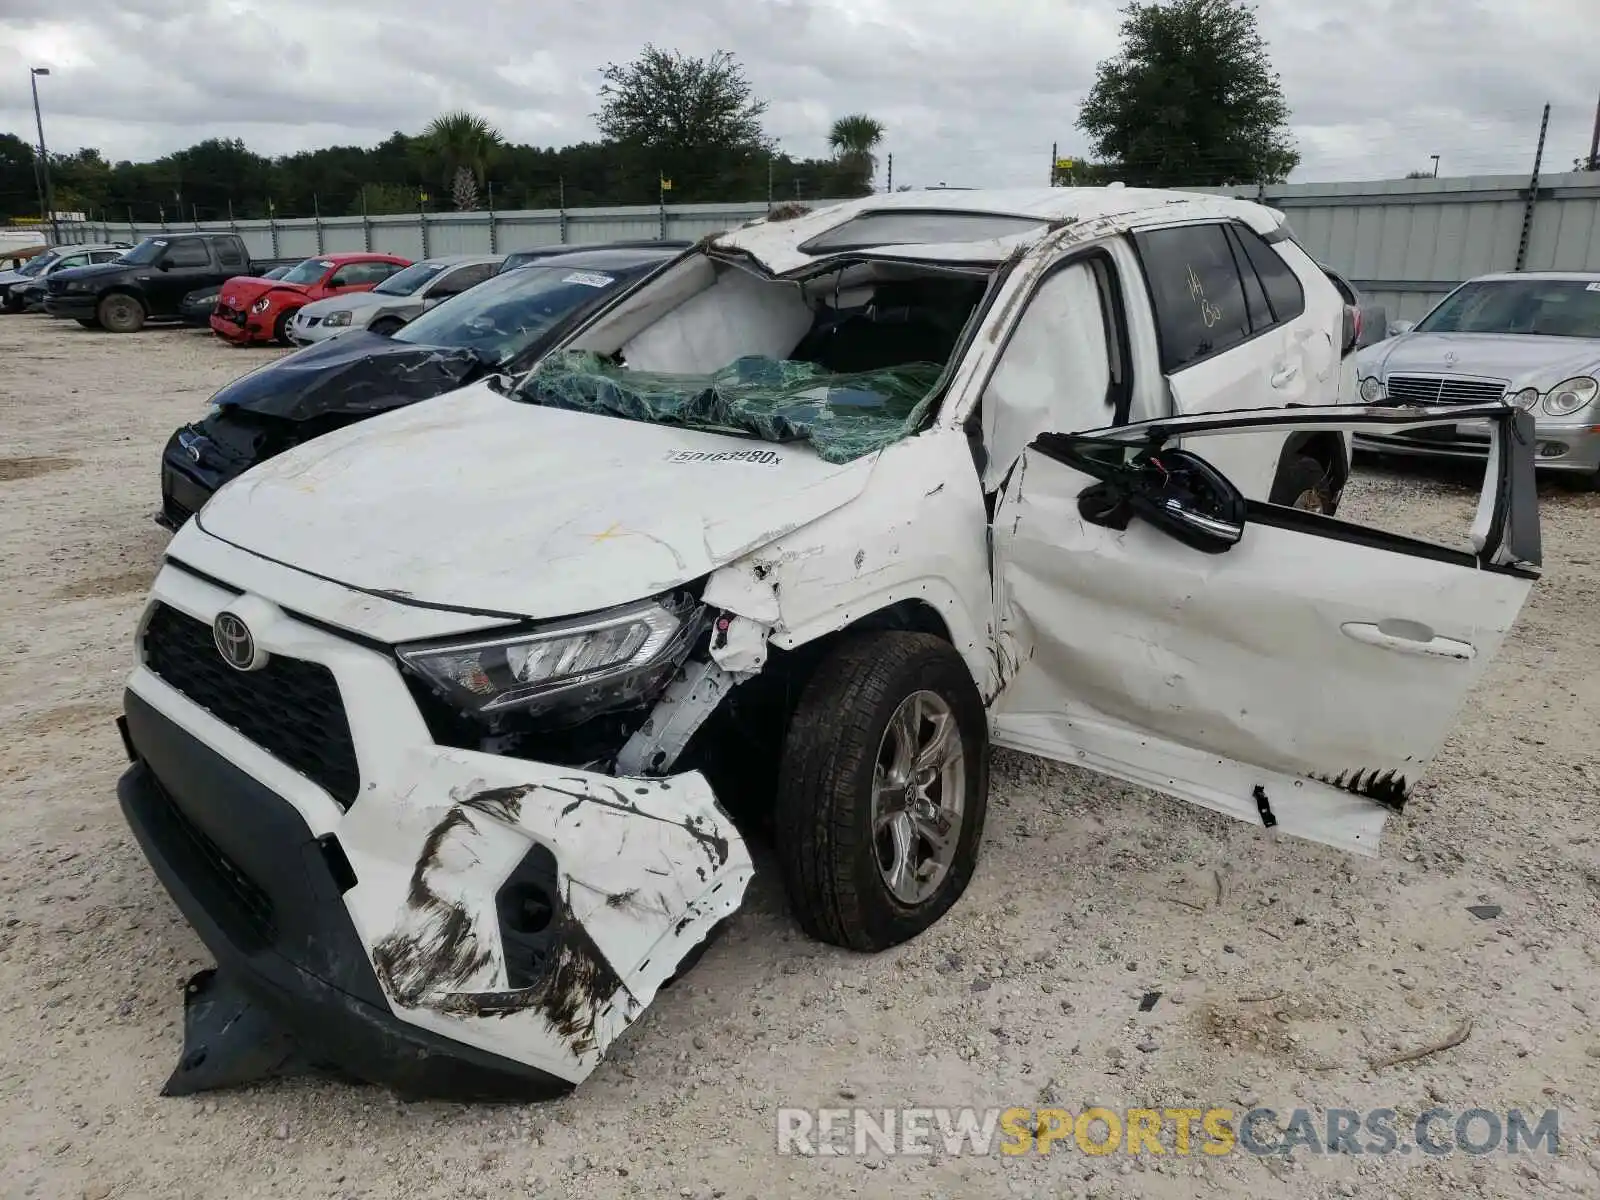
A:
[(470, 925)]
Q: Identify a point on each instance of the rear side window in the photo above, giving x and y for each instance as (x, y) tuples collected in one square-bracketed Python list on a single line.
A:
[(1282, 286), (1196, 290), (357, 273), (228, 255), (187, 253)]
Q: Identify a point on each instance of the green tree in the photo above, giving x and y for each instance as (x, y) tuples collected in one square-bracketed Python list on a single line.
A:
[(854, 139), (1191, 100), (694, 121), (461, 146)]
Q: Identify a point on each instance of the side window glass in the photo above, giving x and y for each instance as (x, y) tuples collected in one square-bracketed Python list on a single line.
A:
[(459, 281), (1195, 288), (105, 256), (188, 253), (75, 260), (1059, 371), (1282, 285), (228, 255), (1255, 296), (356, 274)]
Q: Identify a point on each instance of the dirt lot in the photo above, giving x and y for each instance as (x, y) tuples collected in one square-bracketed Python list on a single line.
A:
[(1282, 968)]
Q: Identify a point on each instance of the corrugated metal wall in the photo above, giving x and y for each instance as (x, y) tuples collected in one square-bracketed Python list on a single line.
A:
[(1406, 242), (1403, 242), (416, 236)]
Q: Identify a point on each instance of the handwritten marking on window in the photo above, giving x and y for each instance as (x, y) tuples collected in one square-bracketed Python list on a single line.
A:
[(1209, 312)]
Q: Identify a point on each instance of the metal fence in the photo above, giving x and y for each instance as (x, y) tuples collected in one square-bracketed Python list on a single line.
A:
[(1403, 242), (1406, 242), (418, 235)]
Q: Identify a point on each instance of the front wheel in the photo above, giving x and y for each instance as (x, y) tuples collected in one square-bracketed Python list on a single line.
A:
[(280, 328), (882, 790), (121, 314)]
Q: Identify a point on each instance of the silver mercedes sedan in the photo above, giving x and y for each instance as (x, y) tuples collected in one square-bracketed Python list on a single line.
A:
[(1531, 338)]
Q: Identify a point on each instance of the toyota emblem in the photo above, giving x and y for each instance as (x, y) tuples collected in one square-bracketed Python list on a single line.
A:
[(235, 643)]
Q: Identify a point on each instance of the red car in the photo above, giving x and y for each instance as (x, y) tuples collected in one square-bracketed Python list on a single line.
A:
[(259, 310)]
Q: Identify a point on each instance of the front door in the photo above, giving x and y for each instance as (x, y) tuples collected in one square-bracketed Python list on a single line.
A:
[(184, 265), (1302, 676)]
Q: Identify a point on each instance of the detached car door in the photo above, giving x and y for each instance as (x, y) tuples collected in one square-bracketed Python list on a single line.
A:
[(1280, 666)]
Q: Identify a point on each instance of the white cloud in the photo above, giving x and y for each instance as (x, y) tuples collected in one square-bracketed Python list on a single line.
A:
[(971, 94)]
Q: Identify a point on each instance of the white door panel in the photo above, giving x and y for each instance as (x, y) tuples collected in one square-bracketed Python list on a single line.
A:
[(1296, 679)]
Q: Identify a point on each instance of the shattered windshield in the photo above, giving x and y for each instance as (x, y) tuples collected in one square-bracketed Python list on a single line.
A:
[(1547, 307), (844, 415), (506, 314)]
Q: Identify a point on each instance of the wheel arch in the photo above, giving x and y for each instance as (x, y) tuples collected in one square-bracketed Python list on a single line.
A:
[(1329, 449)]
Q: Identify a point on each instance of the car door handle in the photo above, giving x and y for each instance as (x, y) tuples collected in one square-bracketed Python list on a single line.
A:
[(1408, 637), (1284, 376)]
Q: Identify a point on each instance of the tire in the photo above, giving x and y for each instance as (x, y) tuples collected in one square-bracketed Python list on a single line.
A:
[(1303, 483), (1578, 483), (280, 328), (88, 322), (121, 313), (385, 327), (835, 871)]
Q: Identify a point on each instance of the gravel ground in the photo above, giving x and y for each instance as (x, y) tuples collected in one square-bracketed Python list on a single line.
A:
[(1283, 968)]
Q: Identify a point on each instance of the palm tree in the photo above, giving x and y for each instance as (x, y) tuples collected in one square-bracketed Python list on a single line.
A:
[(853, 140), (462, 143)]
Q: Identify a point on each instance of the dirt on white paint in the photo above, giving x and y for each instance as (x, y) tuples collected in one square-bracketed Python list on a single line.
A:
[(1283, 969)]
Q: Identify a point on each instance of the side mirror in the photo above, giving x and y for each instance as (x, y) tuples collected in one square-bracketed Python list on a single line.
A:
[(1179, 493), (163, 265), (1396, 328)]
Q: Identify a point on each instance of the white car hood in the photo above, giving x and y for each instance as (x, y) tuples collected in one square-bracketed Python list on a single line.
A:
[(1524, 360), (478, 502)]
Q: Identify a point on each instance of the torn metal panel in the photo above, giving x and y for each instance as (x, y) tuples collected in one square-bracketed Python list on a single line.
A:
[(643, 869), (689, 699)]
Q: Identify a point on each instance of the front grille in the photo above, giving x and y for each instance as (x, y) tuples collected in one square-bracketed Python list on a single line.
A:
[(290, 708), (236, 902), (311, 321), (1433, 389)]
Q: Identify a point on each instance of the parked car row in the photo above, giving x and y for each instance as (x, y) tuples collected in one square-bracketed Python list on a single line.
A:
[(472, 640)]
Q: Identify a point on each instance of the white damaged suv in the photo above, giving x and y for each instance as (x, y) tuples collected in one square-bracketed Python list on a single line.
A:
[(438, 721)]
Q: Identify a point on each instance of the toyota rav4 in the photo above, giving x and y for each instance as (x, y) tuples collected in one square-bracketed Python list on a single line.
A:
[(441, 722)]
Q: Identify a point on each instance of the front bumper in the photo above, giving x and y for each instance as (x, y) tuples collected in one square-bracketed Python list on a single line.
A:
[(71, 305), (187, 480), (303, 332), (398, 939), (234, 326), (1559, 446)]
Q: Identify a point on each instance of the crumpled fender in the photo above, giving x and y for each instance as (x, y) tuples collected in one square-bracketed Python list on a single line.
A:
[(643, 871)]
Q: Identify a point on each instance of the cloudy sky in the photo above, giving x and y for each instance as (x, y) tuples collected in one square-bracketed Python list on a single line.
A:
[(972, 93)]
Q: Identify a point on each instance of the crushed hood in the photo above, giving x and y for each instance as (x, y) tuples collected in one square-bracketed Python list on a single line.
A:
[(354, 374), (479, 502), (1525, 360), (244, 290)]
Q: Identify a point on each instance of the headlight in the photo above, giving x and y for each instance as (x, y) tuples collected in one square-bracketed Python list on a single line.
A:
[(1526, 398), (1371, 390), (582, 667), (261, 305), (1570, 396), (338, 318)]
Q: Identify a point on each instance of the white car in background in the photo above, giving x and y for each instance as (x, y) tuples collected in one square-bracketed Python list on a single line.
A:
[(399, 298)]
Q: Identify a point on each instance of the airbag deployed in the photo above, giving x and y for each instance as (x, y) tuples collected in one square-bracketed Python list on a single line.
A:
[(843, 416)]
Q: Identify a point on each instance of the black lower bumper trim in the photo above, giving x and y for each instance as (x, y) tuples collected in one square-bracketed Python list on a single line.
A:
[(245, 871)]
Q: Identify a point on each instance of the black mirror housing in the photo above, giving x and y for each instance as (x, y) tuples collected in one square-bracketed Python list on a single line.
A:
[(1176, 491)]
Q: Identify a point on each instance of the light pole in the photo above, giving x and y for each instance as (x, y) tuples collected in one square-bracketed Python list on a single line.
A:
[(46, 198), (1435, 158)]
